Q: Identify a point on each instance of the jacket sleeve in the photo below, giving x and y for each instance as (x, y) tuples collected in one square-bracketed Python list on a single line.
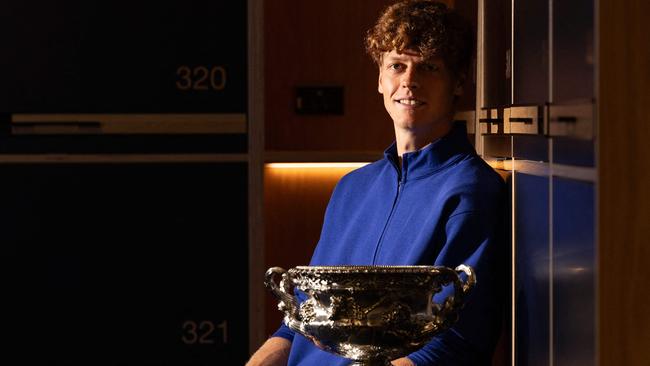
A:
[(284, 332), (475, 238)]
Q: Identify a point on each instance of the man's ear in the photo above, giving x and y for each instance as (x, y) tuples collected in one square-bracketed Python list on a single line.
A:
[(379, 88)]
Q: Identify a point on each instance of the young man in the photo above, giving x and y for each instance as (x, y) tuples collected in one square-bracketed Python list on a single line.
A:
[(430, 201)]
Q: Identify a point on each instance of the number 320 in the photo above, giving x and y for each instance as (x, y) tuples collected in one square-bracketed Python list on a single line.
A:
[(200, 78)]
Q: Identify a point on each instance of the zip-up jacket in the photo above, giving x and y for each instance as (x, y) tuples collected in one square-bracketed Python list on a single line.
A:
[(444, 206)]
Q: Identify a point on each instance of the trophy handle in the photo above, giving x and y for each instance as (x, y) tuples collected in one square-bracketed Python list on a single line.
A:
[(471, 278), (288, 304), (454, 303), (448, 310)]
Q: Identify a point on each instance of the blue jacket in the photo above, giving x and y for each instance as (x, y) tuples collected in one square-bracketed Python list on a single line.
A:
[(444, 207)]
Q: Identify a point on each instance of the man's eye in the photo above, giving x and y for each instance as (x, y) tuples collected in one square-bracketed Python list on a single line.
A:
[(395, 67)]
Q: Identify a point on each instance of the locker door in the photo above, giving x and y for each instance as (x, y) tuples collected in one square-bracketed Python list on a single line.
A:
[(497, 68), (573, 272), (530, 49), (573, 51), (532, 269), (136, 264)]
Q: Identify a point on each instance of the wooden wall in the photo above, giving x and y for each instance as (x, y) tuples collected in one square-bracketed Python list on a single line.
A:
[(321, 43), (295, 200), (624, 183)]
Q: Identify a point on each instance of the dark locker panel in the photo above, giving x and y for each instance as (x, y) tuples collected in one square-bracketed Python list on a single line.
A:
[(572, 151), (497, 146), (123, 144), (131, 60), (497, 67), (530, 49), (573, 51), (467, 101), (530, 147), (532, 269), (573, 272), (124, 57), (142, 264)]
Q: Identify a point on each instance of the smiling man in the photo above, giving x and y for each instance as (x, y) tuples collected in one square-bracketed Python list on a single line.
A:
[(430, 201), (419, 96)]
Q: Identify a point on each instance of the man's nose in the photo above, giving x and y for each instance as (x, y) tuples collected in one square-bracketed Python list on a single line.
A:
[(409, 80)]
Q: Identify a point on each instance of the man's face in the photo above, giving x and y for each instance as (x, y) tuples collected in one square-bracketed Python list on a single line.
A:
[(418, 93)]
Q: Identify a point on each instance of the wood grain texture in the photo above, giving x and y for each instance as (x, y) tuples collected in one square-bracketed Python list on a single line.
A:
[(294, 207), (256, 291), (320, 43), (624, 183)]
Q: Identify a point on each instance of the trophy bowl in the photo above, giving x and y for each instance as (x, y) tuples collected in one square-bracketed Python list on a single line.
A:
[(369, 314)]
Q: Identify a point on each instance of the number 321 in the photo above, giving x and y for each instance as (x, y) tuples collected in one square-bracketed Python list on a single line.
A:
[(204, 332)]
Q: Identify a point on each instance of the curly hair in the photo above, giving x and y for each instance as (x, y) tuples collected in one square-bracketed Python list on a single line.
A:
[(427, 27)]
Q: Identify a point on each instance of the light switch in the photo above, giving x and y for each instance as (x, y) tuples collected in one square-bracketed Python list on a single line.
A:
[(317, 100)]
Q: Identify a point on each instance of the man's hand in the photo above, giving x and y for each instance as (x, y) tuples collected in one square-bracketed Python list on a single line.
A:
[(404, 361), (274, 352)]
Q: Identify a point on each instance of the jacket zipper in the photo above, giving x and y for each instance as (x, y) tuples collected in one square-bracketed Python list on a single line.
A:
[(400, 185)]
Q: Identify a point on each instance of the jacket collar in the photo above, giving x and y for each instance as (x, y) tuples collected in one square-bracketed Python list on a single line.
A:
[(435, 156)]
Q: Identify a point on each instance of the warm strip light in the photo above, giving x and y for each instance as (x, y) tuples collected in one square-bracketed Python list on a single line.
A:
[(500, 164), (314, 165)]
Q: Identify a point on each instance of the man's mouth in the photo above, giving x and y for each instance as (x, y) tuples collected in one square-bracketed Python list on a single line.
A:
[(410, 102)]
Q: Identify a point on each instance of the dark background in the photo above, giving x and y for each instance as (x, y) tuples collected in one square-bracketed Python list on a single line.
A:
[(121, 57), (124, 264), (106, 264)]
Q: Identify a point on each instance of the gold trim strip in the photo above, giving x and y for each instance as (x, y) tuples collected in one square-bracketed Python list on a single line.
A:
[(122, 123)]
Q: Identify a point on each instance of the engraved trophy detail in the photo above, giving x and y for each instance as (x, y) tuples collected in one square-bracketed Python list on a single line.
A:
[(369, 314)]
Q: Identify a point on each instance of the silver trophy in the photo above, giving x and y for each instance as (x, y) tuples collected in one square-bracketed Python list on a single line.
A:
[(369, 314)]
